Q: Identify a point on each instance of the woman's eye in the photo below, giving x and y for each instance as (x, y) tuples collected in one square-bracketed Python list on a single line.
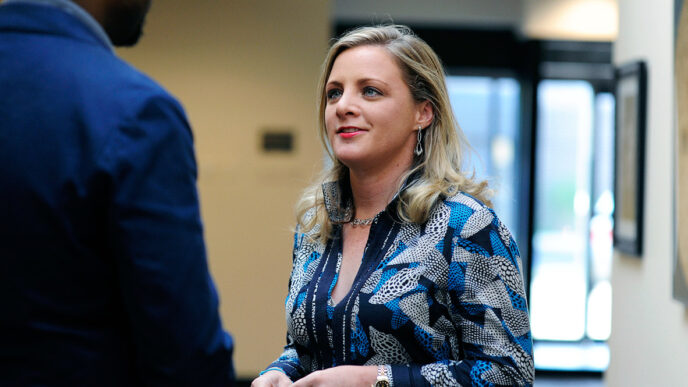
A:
[(371, 92), (333, 94)]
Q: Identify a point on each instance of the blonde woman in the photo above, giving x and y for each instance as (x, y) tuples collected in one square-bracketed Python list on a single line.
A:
[(402, 274)]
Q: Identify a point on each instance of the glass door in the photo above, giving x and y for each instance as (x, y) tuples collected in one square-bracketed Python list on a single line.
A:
[(570, 301)]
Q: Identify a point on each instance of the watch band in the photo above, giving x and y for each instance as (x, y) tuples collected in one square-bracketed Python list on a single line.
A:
[(382, 378)]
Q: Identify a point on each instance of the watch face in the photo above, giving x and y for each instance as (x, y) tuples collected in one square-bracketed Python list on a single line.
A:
[(382, 383)]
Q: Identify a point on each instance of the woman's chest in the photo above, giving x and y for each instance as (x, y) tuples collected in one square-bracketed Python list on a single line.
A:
[(402, 283)]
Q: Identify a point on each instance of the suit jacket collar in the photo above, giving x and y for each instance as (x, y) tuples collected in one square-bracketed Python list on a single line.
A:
[(54, 17)]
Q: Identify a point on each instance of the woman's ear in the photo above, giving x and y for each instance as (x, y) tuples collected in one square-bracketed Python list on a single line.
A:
[(424, 114)]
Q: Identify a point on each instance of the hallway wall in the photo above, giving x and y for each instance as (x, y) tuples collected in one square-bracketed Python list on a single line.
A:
[(239, 67), (649, 343)]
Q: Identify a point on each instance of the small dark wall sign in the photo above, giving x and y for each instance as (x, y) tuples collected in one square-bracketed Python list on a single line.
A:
[(277, 140)]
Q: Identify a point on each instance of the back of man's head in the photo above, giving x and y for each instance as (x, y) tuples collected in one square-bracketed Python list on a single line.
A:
[(122, 20)]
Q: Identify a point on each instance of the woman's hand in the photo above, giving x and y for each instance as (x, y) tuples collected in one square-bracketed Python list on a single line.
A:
[(340, 376), (271, 379)]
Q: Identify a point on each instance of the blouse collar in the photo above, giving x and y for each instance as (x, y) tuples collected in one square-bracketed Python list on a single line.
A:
[(339, 201)]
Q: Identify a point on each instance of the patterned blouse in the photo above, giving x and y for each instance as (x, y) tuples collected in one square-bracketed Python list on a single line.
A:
[(439, 304)]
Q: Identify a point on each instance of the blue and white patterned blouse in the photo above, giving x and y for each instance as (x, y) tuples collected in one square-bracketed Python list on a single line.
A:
[(439, 304)]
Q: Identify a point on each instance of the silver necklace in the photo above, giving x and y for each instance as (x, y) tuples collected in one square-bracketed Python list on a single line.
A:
[(363, 222)]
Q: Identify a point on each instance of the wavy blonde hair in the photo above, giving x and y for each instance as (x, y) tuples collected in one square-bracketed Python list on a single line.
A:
[(439, 167)]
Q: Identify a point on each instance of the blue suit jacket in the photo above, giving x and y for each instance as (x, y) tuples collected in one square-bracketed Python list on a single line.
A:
[(103, 275)]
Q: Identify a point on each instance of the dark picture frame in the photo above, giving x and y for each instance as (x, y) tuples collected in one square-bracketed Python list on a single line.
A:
[(680, 268), (629, 156)]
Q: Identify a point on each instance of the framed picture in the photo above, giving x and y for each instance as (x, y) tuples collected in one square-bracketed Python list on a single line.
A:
[(629, 162), (680, 275)]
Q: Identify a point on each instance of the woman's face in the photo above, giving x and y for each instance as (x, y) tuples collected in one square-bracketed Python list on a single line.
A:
[(370, 115)]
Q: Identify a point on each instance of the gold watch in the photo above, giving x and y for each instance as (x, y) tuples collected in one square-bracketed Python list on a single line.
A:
[(382, 378)]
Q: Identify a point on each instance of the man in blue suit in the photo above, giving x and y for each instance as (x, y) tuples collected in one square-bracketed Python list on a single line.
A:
[(103, 274)]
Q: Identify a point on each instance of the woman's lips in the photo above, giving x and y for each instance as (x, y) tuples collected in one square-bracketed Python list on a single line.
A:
[(348, 132)]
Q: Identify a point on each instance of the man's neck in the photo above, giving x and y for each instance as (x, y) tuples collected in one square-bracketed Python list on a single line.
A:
[(94, 8)]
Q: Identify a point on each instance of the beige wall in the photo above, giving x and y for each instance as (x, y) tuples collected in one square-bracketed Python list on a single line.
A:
[(238, 67), (649, 343)]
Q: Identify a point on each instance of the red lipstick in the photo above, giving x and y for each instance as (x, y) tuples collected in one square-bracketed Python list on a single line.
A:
[(349, 131)]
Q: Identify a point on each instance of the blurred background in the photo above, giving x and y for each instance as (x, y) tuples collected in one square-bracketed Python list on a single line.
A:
[(531, 83)]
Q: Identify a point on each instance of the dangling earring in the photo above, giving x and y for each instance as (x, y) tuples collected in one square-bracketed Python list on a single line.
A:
[(419, 147)]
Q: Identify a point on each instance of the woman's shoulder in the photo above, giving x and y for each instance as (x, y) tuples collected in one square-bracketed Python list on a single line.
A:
[(468, 215), (477, 225), (307, 238), (308, 218), (467, 200)]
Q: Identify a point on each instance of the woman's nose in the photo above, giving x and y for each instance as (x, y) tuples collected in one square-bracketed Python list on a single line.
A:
[(347, 105)]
